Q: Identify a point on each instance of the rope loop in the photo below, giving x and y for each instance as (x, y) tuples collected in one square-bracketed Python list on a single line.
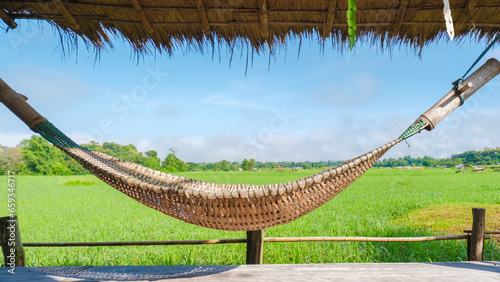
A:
[(459, 81), (457, 85)]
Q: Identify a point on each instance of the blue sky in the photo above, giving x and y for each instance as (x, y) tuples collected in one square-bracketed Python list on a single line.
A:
[(319, 106)]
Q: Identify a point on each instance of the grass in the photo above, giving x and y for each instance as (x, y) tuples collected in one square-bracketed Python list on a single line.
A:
[(79, 182), (381, 203)]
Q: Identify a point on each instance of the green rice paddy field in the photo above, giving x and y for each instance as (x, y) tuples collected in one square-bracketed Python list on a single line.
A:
[(382, 203)]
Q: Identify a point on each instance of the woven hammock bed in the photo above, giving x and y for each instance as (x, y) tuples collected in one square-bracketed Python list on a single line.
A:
[(234, 207)]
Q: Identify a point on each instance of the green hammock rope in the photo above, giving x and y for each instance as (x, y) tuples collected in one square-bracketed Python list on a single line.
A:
[(413, 129), (54, 135)]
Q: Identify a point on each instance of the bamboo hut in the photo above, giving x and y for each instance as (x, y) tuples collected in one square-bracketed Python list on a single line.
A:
[(153, 25)]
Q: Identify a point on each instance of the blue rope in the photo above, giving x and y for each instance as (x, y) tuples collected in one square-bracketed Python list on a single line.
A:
[(482, 55)]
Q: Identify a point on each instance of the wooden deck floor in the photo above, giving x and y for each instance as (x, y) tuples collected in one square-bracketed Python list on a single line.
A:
[(447, 271)]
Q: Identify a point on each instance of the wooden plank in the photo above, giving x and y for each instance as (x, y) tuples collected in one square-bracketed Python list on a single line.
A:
[(477, 234), (255, 246), (10, 239), (443, 272)]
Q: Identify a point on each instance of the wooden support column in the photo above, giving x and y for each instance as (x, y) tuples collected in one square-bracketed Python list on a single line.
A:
[(466, 14), (144, 19), (10, 239), (264, 18), (330, 18), (204, 18), (67, 14), (255, 246), (7, 19), (477, 235), (399, 19)]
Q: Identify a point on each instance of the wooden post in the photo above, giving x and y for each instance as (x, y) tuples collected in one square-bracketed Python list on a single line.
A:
[(255, 246), (477, 235), (10, 239)]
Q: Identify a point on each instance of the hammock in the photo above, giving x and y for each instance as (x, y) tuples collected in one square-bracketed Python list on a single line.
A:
[(233, 207)]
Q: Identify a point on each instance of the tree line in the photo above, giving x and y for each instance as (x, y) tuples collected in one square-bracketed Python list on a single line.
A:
[(487, 156), (36, 156)]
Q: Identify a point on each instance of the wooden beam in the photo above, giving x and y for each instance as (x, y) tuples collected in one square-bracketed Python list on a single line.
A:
[(105, 19), (255, 246), (264, 18), (330, 18), (7, 19), (144, 19), (466, 14), (399, 19), (67, 14), (204, 18)]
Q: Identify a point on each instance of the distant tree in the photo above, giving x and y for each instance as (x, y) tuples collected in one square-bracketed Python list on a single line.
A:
[(11, 159), (152, 160), (173, 164), (244, 164), (43, 158), (251, 164), (225, 165)]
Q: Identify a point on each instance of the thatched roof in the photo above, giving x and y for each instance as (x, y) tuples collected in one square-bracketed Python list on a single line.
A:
[(150, 25)]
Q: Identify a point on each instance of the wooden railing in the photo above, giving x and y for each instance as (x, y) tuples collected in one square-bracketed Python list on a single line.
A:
[(14, 253)]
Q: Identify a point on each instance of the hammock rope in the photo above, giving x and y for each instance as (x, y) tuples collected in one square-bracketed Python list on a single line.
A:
[(236, 207)]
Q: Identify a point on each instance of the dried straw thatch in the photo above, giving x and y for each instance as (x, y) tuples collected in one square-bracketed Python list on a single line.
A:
[(150, 25)]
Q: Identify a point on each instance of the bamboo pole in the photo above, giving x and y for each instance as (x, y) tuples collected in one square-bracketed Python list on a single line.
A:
[(17, 104), (452, 100), (238, 241), (366, 239), (137, 243), (485, 232)]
